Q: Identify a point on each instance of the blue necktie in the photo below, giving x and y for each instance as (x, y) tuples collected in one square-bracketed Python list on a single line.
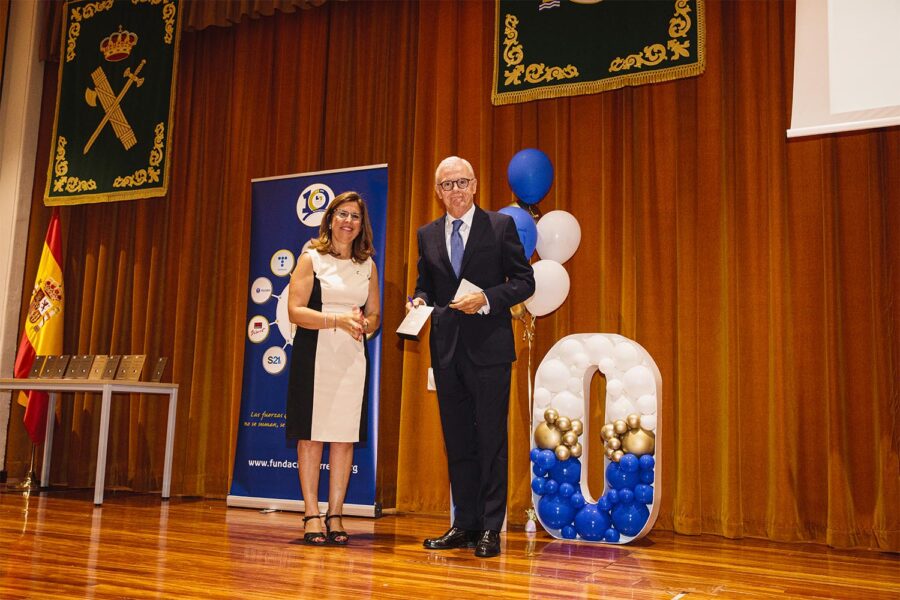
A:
[(456, 247)]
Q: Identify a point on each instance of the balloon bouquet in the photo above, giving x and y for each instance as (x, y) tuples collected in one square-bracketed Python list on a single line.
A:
[(555, 236)]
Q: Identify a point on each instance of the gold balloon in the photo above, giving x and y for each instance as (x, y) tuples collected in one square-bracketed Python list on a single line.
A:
[(620, 427), (577, 426), (564, 424), (607, 431), (617, 455), (576, 450), (551, 415), (547, 437), (517, 310), (614, 443), (633, 421), (609, 452), (639, 442), (569, 438), (562, 452)]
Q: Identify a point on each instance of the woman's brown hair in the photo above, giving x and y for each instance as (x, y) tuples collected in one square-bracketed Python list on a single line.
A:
[(362, 247)]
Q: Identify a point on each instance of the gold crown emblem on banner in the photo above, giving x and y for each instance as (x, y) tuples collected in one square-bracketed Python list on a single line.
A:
[(118, 45)]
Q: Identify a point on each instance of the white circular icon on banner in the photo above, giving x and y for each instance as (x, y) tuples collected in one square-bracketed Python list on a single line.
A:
[(261, 290), (274, 360), (312, 204), (258, 329), (282, 262)]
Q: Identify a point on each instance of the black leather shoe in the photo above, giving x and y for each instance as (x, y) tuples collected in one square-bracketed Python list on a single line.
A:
[(488, 545), (454, 538)]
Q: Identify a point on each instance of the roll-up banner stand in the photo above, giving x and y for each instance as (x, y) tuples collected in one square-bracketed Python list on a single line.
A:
[(287, 211)]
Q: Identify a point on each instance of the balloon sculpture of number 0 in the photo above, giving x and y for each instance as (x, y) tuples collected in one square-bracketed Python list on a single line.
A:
[(630, 501)]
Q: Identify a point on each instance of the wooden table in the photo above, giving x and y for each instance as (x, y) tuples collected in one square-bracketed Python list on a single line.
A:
[(106, 387)]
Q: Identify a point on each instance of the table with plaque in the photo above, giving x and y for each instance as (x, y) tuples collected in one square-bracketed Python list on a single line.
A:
[(109, 388)]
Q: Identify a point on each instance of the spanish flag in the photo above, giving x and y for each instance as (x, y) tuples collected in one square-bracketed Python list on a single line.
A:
[(43, 334)]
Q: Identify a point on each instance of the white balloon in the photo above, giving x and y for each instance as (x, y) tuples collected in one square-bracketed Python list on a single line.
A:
[(581, 362), (569, 348), (648, 422), (576, 386), (647, 404), (558, 236), (639, 381), (617, 410), (626, 355), (614, 388), (568, 405), (599, 347), (553, 375), (542, 398), (551, 286), (607, 366)]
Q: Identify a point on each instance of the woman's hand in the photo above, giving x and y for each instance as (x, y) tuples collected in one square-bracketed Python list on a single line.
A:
[(353, 322)]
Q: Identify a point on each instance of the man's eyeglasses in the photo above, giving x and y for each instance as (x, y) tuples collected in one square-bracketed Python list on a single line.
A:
[(462, 183), (346, 214)]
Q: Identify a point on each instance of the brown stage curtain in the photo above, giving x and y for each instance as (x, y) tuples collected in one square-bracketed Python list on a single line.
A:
[(759, 272), (196, 15)]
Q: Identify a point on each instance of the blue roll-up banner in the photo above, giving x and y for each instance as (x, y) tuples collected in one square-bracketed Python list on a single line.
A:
[(287, 211)]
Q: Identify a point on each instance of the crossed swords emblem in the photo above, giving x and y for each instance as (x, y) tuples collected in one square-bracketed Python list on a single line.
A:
[(111, 105)]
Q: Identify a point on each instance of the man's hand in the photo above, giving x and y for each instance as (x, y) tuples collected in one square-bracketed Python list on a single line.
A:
[(413, 303), (470, 303)]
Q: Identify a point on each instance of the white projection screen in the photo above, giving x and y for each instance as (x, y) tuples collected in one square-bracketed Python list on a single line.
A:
[(845, 74)]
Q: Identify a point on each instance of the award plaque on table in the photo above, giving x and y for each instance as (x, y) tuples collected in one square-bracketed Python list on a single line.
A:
[(158, 369), (98, 365), (79, 366), (36, 367), (112, 366), (130, 367), (55, 367)]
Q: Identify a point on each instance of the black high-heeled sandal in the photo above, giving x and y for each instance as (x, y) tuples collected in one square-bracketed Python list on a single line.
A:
[(336, 537), (314, 538)]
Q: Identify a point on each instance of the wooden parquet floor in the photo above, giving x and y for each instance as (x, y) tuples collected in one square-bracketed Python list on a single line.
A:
[(58, 545)]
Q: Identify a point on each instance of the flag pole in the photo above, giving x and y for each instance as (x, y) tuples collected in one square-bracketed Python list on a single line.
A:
[(30, 482)]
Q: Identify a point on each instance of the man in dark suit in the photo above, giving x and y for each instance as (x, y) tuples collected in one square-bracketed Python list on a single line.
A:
[(472, 349)]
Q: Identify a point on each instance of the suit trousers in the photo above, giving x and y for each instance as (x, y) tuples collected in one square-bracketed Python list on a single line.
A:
[(474, 407)]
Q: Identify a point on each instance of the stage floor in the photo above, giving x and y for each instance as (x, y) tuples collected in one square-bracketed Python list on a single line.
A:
[(58, 545)]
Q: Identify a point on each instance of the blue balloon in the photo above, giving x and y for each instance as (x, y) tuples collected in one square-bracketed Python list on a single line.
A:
[(525, 226), (547, 459), (591, 523), (538, 485), (647, 462), (643, 493), (611, 535), (576, 500), (619, 478), (567, 471), (555, 512), (538, 470), (530, 175), (613, 496), (647, 476), (629, 463), (604, 503), (551, 486), (568, 532), (630, 518), (626, 495), (566, 489), (535, 452)]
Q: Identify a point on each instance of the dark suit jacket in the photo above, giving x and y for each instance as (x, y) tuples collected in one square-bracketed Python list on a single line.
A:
[(494, 260)]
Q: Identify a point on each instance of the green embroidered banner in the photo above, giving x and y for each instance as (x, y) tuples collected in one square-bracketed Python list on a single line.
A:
[(113, 126), (554, 48)]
